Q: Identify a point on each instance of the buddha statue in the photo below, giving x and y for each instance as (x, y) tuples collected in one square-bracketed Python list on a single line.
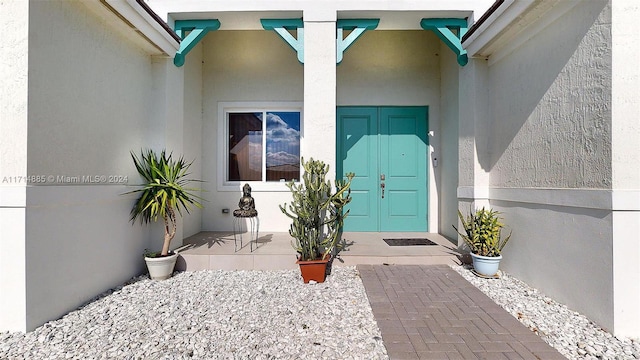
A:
[(247, 207)]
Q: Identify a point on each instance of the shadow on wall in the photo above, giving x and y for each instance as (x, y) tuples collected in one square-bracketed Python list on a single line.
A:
[(536, 66)]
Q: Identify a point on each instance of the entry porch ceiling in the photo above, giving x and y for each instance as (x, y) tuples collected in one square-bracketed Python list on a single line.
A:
[(250, 20)]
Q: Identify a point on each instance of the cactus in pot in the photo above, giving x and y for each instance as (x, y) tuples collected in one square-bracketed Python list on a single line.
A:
[(317, 211)]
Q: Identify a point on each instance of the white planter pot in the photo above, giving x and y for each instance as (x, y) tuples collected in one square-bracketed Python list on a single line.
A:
[(485, 265), (161, 268)]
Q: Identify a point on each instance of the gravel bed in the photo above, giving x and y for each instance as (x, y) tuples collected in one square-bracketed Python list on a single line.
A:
[(214, 315), (575, 336)]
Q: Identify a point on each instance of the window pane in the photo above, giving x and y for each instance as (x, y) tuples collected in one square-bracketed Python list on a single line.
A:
[(283, 146), (245, 146)]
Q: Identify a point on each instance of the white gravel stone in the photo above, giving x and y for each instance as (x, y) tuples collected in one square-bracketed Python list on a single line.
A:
[(575, 336), (213, 315)]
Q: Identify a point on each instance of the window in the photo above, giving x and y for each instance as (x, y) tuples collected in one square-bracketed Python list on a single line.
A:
[(262, 145)]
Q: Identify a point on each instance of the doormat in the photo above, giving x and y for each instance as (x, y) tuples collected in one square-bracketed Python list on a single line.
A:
[(409, 242)]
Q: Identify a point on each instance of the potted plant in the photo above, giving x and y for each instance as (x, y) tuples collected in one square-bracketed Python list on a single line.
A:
[(482, 233), (317, 214), (163, 193)]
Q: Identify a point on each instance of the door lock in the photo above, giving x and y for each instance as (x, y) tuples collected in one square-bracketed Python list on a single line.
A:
[(381, 177), (382, 187)]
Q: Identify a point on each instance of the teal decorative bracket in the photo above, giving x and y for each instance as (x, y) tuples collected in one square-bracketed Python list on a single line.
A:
[(443, 28), (281, 27), (357, 27), (197, 30)]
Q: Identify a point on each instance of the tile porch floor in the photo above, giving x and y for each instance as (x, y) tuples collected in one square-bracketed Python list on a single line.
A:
[(215, 250)]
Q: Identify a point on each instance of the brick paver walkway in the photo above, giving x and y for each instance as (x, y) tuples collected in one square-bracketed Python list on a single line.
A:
[(431, 312)]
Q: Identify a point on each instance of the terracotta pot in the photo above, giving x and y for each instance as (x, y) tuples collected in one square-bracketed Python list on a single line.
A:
[(315, 270)]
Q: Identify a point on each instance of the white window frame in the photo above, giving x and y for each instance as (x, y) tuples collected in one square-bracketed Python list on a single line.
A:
[(222, 165)]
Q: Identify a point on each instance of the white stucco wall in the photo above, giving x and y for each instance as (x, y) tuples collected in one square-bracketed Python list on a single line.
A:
[(548, 154), (96, 89), (555, 132), (89, 104), (552, 127), (392, 68), (14, 18), (565, 252)]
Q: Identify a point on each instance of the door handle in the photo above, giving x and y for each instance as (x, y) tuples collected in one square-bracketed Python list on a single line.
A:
[(382, 187)]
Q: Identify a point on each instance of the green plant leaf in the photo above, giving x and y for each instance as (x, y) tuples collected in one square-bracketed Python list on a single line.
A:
[(482, 232), (163, 190)]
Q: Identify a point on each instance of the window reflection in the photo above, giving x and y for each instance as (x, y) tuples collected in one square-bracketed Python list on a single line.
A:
[(245, 146), (281, 152), (283, 146)]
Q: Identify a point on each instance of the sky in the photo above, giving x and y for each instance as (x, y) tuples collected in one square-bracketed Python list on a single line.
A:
[(283, 138)]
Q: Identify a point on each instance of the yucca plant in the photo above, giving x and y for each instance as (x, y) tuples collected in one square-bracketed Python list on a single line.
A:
[(315, 206), (482, 232), (163, 192)]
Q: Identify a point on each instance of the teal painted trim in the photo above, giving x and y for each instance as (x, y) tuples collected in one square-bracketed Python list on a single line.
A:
[(289, 24), (182, 26), (357, 27), (197, 30), (281, 27), (350, 24), (443, 29)]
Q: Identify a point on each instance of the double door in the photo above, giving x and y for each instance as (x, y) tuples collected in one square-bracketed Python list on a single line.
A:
[(386, 147)]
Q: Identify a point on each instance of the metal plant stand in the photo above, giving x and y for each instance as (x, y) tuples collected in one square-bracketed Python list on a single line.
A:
[(253, 227)]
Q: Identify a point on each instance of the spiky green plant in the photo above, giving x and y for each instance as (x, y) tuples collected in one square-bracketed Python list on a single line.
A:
[(482, 232), (315, 205), (163, 192)]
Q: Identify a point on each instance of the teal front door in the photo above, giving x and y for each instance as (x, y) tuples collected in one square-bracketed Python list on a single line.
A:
[(386, 147)]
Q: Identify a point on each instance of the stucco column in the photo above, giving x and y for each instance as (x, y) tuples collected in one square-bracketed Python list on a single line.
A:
[(319, 127), (14, 18), (625, 132), (167, 125), (475, 119)]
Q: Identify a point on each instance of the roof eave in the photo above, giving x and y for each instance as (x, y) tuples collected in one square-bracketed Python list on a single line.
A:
[(148, 24), (491, 24)]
